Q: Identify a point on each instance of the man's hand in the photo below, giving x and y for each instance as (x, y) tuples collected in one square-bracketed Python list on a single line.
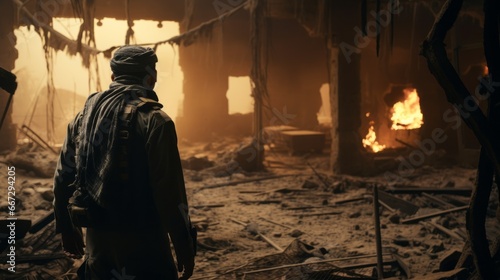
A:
[(185, 259), (73, 243), (185, 264)]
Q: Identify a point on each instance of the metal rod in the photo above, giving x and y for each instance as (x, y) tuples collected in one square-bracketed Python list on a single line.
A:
[(439, 213), (314, 262), (4, 115), (38, 137), (378, 235)]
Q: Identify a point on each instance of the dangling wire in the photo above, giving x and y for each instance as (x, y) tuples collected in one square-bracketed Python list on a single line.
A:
[(393, 19), (130, 32), (364, 15), (412, 42), (378, 27), (51, 91)]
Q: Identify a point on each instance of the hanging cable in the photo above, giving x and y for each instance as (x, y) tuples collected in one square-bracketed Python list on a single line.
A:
[(412, 42), (130, 32)]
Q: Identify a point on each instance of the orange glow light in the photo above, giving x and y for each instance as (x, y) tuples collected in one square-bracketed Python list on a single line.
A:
[(371, 142), (406, 114)]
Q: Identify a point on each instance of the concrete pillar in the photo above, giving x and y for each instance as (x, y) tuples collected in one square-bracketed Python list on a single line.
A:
[(334, 105), (206, 107), (8, 56), (345, 17), (296, 71)]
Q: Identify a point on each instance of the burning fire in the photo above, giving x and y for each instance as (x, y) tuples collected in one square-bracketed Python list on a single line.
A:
[(370, 140), (406, 114)]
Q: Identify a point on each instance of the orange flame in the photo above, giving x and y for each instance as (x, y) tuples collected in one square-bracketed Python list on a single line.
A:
[(406, 114), (371, 142)]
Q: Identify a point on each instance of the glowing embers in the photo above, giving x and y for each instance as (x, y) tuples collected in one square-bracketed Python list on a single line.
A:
[(406, 114), (371, 142), (400, 124)]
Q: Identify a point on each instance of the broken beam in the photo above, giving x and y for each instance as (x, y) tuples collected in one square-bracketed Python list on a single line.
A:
[(397, 203), (317, 214), (444, 230), (438, 200), (439, 213), (35, 258), (313, 262), (265, 238), (457, 191), (247, 181)]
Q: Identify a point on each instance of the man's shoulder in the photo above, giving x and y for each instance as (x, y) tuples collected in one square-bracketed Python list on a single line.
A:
[(160, 116), (154, 118)]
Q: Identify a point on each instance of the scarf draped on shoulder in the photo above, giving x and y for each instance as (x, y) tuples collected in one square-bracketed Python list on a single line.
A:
[(97, 139)]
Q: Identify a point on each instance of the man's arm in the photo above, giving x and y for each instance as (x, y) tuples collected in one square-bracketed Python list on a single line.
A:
[(169, 192), (64, 176)]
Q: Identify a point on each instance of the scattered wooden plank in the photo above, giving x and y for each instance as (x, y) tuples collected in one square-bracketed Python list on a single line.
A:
[(332, 204), (283, 190), (443, 229), (318, 175), (406, 144), (206, 246), (35, 258), (196, 220), (386, 206), (378, 234), (439, 213), (266, 201), (279, 164), (42, 222), (270, 242), (461, 232), (310, 263), (251, 191), (239, 222), (232, 183), (306, 207), (457, 200), (438, 200), (398, 203), (265, 238), (352, 266), (318, 214), (404, 266), (347, 200), (276, 223), (208, 206), (415, 190), (459, 273)]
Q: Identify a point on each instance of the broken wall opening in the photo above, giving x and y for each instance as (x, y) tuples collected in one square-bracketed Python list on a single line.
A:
[(324, 113), (239, 95), (240, 104), (73, 82)]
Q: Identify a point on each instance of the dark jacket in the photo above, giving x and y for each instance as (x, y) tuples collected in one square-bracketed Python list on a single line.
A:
[(150, 207)]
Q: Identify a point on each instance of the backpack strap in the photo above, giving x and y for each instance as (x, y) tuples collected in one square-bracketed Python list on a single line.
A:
[(127, 118), (147, 104)]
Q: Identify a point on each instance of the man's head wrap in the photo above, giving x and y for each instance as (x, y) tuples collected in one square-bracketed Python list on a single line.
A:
[(134, 60)]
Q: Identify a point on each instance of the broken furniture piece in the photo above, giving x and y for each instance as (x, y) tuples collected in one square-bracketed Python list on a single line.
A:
[(303, 141), (294, 140)]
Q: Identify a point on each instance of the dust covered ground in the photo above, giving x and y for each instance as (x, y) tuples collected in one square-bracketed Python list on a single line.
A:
[(303, 209)]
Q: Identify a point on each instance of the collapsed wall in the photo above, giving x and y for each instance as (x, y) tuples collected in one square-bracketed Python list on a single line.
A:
[(8, 57), (296, 70)]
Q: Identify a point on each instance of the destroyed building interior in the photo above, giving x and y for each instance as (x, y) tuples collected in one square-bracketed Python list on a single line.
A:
[(366, 149)]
